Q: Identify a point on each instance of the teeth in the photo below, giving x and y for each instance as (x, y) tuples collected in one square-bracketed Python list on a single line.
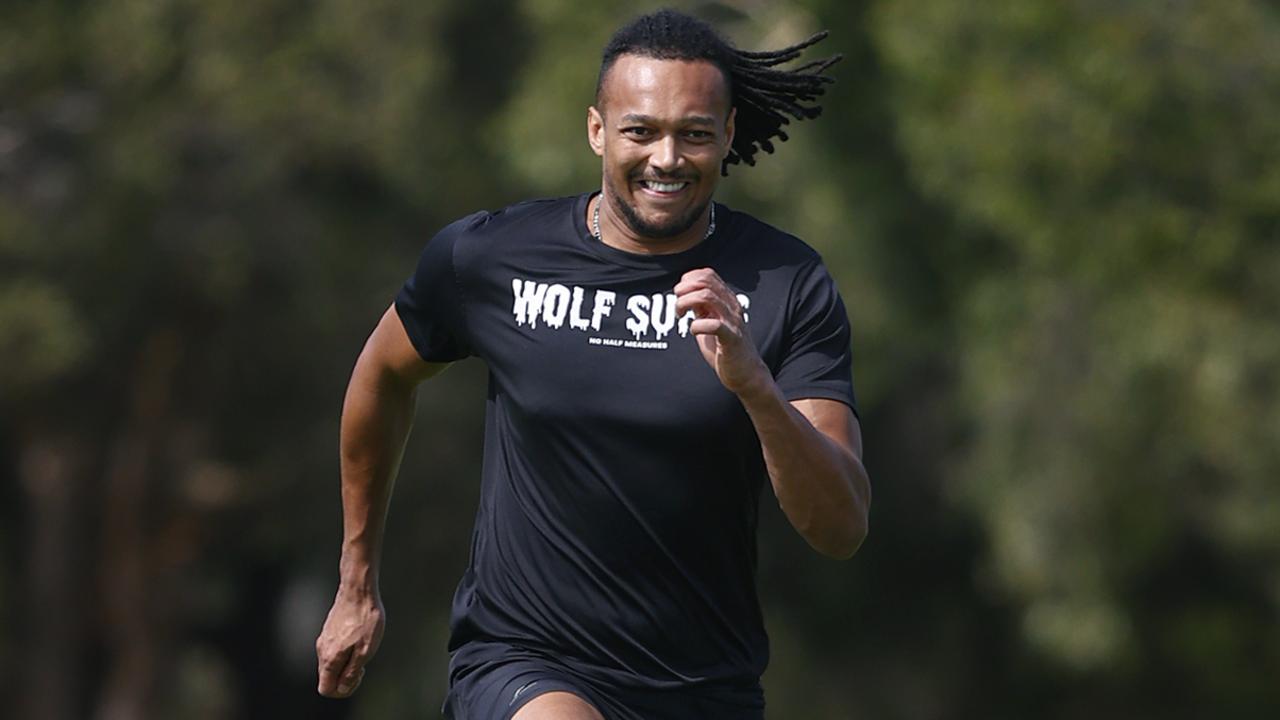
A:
[(664, 187)]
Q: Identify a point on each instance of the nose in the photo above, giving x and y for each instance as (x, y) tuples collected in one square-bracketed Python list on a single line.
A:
[(666, 155)]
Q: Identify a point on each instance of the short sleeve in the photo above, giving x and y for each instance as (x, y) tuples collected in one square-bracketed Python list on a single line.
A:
[(817, 362), (431, 302)]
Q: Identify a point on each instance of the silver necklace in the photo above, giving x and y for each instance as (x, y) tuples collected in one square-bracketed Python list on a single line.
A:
[(595, 221)]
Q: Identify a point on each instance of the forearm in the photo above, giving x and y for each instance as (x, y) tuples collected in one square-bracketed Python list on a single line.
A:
[(821, 487), (377, 415)]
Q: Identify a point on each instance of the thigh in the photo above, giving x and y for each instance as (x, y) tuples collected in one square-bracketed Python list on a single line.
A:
[(558, 705)]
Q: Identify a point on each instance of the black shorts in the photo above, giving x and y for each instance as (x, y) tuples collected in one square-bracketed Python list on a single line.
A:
[(490, 681)]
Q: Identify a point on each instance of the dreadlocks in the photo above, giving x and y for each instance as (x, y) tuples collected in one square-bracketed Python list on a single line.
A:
[(763, 95)]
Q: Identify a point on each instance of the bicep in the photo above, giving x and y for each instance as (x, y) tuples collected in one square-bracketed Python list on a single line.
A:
[(389, 350), (833, 419)]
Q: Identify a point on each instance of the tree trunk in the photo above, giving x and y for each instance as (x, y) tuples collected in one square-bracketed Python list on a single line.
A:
[(135, 622), (54, 631)]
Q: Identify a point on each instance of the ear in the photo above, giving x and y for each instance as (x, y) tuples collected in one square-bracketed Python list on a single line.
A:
[(728, 131), (595, 130)]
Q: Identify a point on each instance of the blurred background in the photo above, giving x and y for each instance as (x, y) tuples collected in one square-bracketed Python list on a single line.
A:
[(1056, 224)]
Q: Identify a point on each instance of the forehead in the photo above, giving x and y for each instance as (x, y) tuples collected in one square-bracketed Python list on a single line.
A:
[(664, 88)]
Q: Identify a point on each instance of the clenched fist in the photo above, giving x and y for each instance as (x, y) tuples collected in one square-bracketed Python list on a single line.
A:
[(720, 326)]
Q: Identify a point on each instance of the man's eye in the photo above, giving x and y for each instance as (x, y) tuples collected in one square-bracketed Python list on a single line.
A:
[(699, 135), (637, 131)]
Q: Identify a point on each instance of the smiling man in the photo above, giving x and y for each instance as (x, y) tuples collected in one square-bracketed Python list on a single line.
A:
[(655, 358), (669, 127)]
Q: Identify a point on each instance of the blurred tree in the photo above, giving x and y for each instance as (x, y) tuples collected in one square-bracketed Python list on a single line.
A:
[(1119, 358), (202, 208)]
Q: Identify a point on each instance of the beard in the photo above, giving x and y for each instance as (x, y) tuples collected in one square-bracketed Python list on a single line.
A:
[(644, 228)]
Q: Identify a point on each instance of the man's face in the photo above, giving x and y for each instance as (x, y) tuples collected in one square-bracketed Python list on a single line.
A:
[(661, 128)]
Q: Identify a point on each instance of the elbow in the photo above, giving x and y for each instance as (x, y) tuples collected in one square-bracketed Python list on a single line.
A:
[(847, 536), (840, 541), (845, 543), (837, 526)]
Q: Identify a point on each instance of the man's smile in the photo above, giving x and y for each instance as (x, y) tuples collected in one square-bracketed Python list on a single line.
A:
[(663, 189)]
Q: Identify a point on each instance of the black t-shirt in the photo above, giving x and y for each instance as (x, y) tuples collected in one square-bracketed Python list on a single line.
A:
[(621, 480)]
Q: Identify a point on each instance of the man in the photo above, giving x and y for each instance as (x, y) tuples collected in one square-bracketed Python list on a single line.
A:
[(653, 358)]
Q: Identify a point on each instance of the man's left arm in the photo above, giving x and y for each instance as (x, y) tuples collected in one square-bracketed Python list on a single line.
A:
[(812, 447), (813, 451)]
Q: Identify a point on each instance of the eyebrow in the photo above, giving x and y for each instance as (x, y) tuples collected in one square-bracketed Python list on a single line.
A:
[(651, 120)]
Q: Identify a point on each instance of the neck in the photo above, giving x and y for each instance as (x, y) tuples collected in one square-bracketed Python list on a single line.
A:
[(616, 233)]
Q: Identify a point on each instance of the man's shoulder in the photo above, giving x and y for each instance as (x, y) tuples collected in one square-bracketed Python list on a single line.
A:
[(772, 243), (520, 216), (474, 242)]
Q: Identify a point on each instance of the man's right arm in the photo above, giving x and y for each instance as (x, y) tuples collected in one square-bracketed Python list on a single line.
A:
[(376, 417)]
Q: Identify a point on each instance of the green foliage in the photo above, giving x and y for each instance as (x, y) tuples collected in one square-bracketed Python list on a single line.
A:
[(40, 336), (1119, 364)]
